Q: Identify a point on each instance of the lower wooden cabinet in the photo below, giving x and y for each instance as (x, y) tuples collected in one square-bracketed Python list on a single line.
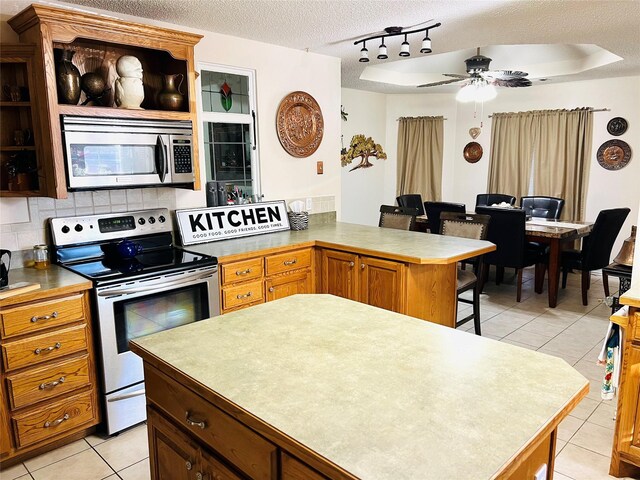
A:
[(369, 280), (625, 456), (48, 392)]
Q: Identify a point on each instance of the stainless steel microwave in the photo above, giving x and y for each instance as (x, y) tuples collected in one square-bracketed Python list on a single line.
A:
[(121, 153)]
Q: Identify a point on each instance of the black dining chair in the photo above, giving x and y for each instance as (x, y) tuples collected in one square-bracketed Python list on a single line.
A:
[(542, 207), (434, 209), (467, 225), (596, 249), (399, 218), (488, 199), (512, 249), (412, 200)]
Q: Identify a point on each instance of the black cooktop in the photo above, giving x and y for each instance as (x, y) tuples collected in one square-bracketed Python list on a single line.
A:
[(114, 267)]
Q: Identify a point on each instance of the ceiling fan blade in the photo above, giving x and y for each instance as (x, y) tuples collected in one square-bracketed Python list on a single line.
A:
[(504, 74), (455, 75), (512, 82), (444, 82)]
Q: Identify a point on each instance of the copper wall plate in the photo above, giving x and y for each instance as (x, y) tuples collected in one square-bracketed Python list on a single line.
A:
[(472, 152), (299, 124), (617, 126), (614, 154)]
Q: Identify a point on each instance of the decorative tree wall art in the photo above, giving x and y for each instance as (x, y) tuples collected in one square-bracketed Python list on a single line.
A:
[(362, 148)]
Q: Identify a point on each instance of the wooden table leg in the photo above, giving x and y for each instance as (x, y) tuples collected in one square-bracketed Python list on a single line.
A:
[(554, 271)]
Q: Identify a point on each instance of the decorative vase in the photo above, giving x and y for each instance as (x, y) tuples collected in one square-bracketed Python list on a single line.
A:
[(170, 97), (67, 78), (129, 88)]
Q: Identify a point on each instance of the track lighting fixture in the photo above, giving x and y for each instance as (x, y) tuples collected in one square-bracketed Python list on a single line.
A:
[(405, 48)]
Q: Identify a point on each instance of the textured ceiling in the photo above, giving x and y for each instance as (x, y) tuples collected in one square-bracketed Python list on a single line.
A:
[(329, 27)]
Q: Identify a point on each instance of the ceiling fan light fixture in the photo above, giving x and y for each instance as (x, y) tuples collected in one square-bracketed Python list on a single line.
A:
[(404, 48), (479, 90), (426, 44), (364, 55), (382, 51)]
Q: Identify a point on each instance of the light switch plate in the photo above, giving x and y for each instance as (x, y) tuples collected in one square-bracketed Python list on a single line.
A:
[(319, 167), (541, 474), (309, 205)]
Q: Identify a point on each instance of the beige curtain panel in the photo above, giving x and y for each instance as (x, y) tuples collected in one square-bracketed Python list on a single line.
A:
[(420, 142), (512, 142), (555, 143), (563, 153)]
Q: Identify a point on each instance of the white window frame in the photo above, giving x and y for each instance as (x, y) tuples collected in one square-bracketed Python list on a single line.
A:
[(250, 119)]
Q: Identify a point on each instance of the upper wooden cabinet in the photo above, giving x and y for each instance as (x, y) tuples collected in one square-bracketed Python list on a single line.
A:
[(98, 42)]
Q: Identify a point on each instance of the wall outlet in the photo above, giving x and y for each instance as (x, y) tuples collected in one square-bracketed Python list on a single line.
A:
[(541, 474), (309, 204)]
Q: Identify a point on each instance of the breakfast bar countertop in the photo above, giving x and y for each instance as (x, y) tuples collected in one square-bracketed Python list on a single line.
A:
[(378, 394), (411, 247)]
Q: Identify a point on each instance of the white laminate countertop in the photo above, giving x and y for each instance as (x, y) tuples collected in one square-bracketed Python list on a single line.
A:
[(412, 247), (382, 395)]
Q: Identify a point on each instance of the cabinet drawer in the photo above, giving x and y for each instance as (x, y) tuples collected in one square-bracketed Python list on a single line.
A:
[(53, 419), (235, 296), (239, 445), (38, 316), (44, 347), (241, 271), (293, 469), (34, 385), (285, 262)]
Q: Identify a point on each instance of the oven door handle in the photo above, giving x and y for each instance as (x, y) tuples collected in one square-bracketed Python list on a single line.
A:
[(155, 286)]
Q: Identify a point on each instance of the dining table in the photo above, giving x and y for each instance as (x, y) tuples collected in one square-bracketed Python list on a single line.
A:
[(558, 235)]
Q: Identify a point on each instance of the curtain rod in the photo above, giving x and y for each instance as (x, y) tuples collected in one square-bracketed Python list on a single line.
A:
[(591, 110), (400, 118)]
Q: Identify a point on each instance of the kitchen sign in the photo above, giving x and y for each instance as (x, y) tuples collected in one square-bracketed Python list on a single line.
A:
[(202, 225)]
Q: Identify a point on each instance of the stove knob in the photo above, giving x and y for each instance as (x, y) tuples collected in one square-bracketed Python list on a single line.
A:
[(141, 221), (65, 229), (78, 227), (161, 219), (152, 220)]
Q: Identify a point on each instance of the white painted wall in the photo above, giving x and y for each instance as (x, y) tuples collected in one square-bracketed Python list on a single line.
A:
[(363, 189)]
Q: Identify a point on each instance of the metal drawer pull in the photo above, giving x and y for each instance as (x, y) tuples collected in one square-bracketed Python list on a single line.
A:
[(194, 423), (200, 476), (272, 289), (362, 266), (291, 262), (38, 351), (51, 384), (44, 317), (188, 464), (243, 272), (56, 422), (246, 295), (351, 264)]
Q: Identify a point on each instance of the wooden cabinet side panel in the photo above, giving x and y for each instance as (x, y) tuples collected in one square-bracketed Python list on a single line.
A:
[(382, 284), (5, 432), (339, 274)]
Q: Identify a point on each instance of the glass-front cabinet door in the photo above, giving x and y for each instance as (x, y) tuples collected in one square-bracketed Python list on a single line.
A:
[(229, 132)]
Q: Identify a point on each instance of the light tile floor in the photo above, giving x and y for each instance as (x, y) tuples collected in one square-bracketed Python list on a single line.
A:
[(570, 331)]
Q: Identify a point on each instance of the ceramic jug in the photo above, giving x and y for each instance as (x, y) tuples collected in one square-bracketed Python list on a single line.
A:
[(170, 97), (128, 249)]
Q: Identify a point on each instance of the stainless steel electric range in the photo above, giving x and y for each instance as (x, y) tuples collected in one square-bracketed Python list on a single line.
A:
[(142, 285)]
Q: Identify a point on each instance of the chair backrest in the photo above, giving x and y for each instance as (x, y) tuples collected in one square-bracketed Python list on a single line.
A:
[(596, 248), (412, 200), (508, 233), (488, 199), (542, 207), (465, 225), (434, 209), (399, 218)]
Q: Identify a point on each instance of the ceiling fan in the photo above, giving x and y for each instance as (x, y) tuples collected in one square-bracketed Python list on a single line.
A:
[(478, 71)]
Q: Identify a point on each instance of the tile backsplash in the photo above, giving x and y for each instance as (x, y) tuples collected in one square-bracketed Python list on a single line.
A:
[(33, 230)]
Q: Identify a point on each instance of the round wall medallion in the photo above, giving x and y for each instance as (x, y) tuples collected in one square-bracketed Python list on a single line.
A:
[(617, 126), (299, 124), (614, 154), (472, 152)]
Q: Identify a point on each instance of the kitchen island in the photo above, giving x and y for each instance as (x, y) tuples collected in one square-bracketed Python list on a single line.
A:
[(407, 272), (315, 386)]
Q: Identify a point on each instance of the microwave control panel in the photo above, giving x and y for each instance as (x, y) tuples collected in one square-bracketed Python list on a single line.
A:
[(182, 160)]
